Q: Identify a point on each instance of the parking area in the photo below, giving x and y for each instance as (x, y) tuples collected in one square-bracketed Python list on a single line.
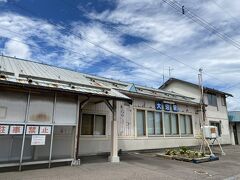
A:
[(138, 166)]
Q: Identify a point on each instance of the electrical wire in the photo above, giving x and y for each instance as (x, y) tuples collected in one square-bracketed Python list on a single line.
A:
[(127, 59), (177, 6), (224, 10), (45, 52), (149, 46), (91, 42)]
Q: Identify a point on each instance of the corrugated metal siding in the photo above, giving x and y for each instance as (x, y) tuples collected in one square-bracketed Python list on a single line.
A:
[(50, 75), (44, 75), (234, 116)]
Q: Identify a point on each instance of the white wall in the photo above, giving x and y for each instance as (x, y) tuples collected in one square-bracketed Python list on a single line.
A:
[(217, 114), (126, 129)]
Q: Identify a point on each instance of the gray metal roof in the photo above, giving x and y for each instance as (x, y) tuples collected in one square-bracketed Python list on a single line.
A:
[(234, 116), (206, 89), (20, 71)]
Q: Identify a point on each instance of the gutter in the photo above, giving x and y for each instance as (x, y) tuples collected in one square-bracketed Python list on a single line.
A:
[(16, 84), (157, 97)]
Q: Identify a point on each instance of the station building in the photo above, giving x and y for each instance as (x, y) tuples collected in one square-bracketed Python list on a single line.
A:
[(234, 120), (50, 114), (216, 113)]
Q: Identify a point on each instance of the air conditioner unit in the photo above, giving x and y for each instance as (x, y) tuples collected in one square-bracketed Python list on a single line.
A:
[(210, 132)]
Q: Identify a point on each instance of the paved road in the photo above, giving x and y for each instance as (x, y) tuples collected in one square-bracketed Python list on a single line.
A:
[(140, 167)]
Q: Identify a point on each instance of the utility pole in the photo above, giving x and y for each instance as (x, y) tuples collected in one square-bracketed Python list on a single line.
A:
[(202, 105), (169, 71), (163, 75)]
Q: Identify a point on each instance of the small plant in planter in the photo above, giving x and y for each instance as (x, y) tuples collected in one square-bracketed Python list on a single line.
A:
[(171, 152), (167, 152), (183, 150), (174, 152)]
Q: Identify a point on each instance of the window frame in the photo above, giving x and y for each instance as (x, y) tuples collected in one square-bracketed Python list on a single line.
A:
[(210, 99), (212, 123), (192, 129), (93, 127), (223, 101), (178, 124), (163, 123), (154, 123), (145, 133)]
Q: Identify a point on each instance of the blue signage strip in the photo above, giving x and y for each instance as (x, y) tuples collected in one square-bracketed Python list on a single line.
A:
[(158, 105), (167, 107), (175, 108)]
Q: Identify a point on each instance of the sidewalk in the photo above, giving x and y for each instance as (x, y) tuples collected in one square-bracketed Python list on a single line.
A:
[(138, 166)]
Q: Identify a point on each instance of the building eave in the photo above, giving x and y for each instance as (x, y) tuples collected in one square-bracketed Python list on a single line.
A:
[(206, 89)]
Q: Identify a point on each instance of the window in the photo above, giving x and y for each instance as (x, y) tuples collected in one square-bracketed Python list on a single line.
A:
[(218, 125), (158, 123), (167, 123), (141, 123), (174, 124), (223, 100), (151, 124), (212, 99), (171, 124), (100, 124), (154, 123), (186, 124), (93, 124)]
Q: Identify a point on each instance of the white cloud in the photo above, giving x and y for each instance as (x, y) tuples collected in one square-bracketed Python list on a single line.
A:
[(165, 29), (16, 48)]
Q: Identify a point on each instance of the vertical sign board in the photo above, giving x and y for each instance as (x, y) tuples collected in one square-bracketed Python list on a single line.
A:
[(32, 130), (158, 105), (4, 129), (16, 129), (175, 108), (38, 140), (167, 107), (45, 130)]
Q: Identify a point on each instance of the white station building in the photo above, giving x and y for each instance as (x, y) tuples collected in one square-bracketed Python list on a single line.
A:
[(49, 114)]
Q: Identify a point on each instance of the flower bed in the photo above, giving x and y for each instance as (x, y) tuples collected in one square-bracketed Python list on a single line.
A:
[(185, 154)]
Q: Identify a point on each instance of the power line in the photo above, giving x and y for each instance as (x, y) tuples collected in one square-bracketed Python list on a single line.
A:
[(44, 51), (90, 42), (223, 9), (177, 6), (149, 46), (230, 87), (122, 57)]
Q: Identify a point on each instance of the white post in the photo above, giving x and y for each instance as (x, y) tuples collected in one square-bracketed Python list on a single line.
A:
[(231, 134), (114, 137)]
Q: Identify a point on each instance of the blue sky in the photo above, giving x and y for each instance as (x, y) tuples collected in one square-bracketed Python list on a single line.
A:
[(68, 33)]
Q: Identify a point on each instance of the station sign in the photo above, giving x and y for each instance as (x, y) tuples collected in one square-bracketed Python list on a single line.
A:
[(6, 129), (166, 106), (32, 130), (175, 108), (16, 129), (45, 130), (158, 105)]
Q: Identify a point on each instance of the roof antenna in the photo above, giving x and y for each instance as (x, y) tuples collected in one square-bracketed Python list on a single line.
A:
[(183, 10)]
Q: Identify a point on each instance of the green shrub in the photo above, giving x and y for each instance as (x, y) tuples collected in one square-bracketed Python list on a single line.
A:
[(167, 152)]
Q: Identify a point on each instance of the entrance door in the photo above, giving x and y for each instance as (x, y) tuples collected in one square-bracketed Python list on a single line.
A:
[(235, 133)]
